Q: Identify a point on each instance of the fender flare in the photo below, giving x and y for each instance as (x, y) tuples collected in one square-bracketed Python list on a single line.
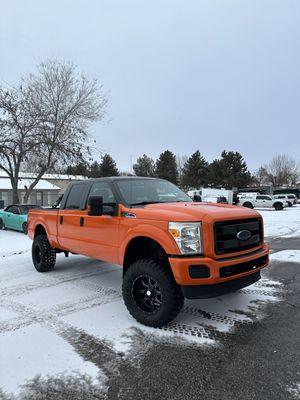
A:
[(148, 231)]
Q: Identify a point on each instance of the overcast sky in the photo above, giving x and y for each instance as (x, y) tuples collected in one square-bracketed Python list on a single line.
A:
[(181, 75)]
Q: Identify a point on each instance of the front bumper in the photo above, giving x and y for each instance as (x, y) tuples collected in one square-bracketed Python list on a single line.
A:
[(238, 267), (208, 291)]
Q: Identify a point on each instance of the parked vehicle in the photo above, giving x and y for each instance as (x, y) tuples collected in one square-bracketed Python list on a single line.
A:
[(169, 246), (289, 190), (224, 195), (291, 199), (215, 199), (15, 217), (261, 201)]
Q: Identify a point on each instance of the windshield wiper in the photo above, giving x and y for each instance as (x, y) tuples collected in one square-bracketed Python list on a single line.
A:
[(144, 203)]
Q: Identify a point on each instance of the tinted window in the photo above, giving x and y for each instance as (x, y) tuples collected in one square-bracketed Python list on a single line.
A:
[(259, 197), (75, 196), (144, 191), (103, 189), (291, 196)]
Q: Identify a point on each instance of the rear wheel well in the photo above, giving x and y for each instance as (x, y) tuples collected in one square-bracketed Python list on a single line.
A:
[(40, 230), (144, 248)]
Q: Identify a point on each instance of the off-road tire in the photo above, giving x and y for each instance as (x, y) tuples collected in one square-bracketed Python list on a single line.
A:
[(247, 204), (24, 228), (278, 206), (2, 226), (43, 255), (171, 295)]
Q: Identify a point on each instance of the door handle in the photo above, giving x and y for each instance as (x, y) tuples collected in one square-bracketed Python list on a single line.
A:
[(81, 221), (61, 220)]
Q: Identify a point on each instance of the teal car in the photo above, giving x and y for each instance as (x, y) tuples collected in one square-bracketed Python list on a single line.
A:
[(15, 217)]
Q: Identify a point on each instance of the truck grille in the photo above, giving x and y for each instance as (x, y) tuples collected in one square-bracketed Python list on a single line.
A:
[(226, 240)]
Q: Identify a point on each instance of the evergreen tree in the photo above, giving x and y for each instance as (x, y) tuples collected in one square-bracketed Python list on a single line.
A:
[(108, 166), (166, 167), (215, 174), (229, 171), (81, 168), (194, 172), (95, 171), (144, 166)]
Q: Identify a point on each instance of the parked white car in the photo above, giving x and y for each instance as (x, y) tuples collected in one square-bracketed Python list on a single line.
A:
[(291, 199), (262, 201)]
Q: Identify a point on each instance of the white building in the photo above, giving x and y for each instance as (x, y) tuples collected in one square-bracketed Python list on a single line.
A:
[(45, 192)]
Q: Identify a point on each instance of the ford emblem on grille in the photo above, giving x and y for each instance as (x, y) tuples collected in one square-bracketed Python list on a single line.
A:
[(244, 235)]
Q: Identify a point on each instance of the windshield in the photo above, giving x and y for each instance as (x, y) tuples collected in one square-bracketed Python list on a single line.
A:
[(149, 191)]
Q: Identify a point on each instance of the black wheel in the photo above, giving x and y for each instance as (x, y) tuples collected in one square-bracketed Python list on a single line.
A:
[(151, 294), (248, 204), (278, 206), (290, 204), (2, 226), (43, 255), (24, 227)]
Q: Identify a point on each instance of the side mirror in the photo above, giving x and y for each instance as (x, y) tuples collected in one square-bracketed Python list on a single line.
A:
[(95, 205)]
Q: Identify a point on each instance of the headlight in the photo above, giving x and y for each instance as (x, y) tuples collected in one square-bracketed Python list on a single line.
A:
[(187, 235)]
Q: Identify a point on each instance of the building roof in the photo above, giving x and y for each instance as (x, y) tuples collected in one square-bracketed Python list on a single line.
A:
[(30, 175), (41, 185)]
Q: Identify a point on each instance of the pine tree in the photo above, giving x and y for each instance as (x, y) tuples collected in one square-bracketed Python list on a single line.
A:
[(81, 168), (144, 166), (166, 167), (229, 171), (108, 166), (215, 174), (95, 171), (194, 172)]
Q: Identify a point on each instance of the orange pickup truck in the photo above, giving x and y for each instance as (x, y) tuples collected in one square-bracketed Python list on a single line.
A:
[(169, 246)]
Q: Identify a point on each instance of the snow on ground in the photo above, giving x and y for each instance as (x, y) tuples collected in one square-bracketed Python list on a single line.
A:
[(13, 243), (286, 255), (294, 391), (284, 223), (41, 313)]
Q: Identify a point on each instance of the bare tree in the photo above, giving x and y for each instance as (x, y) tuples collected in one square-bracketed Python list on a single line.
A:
[(282, 170), (180, 161), (261, 176), (18, 128), (59, 104)]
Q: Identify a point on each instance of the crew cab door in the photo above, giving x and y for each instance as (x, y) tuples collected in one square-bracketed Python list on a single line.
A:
[(78, 232), (100, 233), (68, 223)]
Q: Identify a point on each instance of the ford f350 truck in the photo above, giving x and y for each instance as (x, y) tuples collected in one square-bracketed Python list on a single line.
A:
[(170, 247)]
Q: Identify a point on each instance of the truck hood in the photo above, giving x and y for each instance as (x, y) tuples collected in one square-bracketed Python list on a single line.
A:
[(192, 212)]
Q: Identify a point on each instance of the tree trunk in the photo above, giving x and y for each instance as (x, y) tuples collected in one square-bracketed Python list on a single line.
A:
[(33, 184), (26, 196), (15, 193)]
